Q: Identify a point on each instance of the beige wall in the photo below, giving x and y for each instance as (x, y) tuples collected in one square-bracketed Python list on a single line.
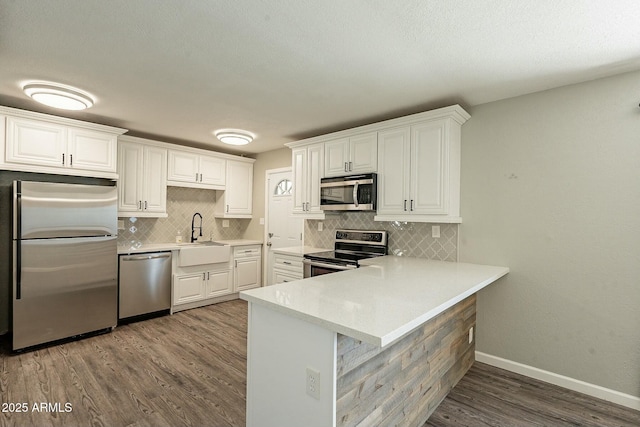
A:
[(264, 161), (551, 189)]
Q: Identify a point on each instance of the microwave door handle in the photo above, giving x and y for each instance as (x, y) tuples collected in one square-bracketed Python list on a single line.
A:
[(355, 194)]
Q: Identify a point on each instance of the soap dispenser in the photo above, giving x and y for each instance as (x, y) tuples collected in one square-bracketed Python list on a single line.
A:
[(179, 237)]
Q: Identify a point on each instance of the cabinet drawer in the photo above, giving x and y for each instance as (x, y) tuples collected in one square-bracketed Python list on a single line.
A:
[(281, 276), (246, 251), (287, 262)]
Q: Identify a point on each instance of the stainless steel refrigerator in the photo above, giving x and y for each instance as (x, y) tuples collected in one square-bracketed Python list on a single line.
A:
[(65, 264)]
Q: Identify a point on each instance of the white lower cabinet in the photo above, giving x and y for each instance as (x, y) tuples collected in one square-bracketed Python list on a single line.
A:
[(247, 267), (188, 288), (195, 286), (287, 268)]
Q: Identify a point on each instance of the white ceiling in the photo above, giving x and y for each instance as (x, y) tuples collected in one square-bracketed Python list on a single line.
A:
[(290, 69)]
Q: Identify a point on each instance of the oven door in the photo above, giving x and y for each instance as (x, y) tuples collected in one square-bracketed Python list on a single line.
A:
[(314, 268)]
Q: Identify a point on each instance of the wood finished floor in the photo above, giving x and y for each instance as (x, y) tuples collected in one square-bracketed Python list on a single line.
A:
[(189, 369)]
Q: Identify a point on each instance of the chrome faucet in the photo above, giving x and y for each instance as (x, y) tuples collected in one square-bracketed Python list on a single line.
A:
[(193, 227)]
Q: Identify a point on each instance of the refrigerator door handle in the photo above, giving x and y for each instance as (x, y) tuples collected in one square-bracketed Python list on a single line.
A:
[(17, 236)]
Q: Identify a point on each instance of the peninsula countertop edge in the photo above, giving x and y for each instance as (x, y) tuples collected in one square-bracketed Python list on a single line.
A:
[(380, 302)]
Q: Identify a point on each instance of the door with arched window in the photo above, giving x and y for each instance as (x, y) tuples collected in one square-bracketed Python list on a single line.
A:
[(282, 228)]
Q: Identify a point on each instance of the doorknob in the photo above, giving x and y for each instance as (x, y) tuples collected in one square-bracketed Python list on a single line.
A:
[(268, 243)]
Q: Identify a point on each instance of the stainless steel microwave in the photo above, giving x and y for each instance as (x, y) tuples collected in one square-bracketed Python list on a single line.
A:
[(349, 193)]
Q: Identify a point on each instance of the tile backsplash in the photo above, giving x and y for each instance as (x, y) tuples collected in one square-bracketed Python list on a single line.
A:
[(182, 203), (405, 238)]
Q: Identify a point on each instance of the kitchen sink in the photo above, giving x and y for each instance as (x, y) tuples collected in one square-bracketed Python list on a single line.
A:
[(199, 253)]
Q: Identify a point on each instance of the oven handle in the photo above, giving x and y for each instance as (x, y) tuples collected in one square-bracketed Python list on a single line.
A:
[(327, 265)]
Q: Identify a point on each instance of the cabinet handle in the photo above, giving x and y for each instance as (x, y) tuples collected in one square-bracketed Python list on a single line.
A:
[(70, 159), (227, 208), (200, 177), (208, 275), (145, 205), (204, 276), (286, 262), (63, 158), (346, 167), (196, 176), (139, 205), (350, 166), (411, 204), (236, 263), (405, 204)]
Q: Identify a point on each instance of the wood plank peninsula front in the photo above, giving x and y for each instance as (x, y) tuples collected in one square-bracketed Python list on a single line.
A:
[(379, 345)]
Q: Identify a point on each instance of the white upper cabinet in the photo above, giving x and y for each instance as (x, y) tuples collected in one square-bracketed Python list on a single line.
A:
[(237, 199), (353, 155), (142, 187), (196, 170), (419, 172), (307, 169), (416, 157), (35, 142)]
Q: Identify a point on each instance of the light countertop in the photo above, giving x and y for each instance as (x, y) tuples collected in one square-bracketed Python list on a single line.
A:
[(152, 247), (299, 250), (239, 242), (159, 247), (380, 302)]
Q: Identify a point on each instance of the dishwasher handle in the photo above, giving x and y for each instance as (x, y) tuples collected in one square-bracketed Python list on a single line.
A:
[(146, 257)]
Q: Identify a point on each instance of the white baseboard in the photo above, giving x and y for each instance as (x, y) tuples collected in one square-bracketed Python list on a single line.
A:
[(623, 399)]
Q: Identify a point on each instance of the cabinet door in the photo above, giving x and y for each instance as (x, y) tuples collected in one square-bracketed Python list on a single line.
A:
[(33, 142), (92, 150), (315, 161), (429, 168), (393, 171), (155, 180), (239, 194), (183, 167), (219, 283), (299, 174), (247, 273), (336, 157), (130, 164), (212, 170), (363, 153), (188, 288)]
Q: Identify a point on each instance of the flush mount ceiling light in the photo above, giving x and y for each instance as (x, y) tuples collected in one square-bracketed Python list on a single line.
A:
[(58, 95), (234, 136)]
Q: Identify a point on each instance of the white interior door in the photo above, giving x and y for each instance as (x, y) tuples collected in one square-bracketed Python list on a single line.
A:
[(283, 229)]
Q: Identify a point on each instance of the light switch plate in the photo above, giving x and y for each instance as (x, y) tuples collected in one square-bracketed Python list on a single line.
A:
[(225, 223), (435, 231)]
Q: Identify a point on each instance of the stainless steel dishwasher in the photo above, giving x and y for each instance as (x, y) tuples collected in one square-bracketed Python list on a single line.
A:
[(144, 283)]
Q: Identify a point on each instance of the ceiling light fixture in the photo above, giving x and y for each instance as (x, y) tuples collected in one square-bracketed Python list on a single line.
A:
[(234, 136), (58, 95)]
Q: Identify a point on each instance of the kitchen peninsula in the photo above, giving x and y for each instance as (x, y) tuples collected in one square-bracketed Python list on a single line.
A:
[(379, 345)]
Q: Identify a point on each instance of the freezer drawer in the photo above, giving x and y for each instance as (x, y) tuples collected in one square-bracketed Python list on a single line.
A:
[(62, 288), (145, 283)]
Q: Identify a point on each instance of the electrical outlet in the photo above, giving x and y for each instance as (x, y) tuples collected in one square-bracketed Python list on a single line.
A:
[(121, 224), (320, 226), (435, 231), (225, 223), (470, 335), (261, 221), (313, 383)]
